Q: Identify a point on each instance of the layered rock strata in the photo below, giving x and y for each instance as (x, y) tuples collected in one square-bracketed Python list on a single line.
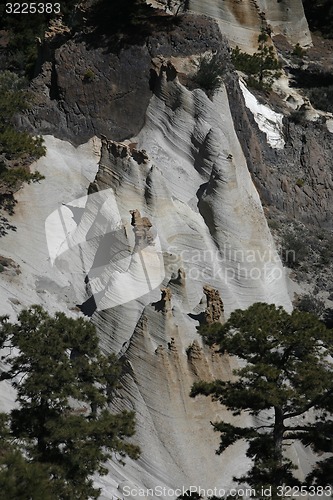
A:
[(195, 190)]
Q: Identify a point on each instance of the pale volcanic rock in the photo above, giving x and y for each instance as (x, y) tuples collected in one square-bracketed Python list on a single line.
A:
[(190, 189), (268, 121), (195, 190), (241, 20), (166, 300), (68, 171)]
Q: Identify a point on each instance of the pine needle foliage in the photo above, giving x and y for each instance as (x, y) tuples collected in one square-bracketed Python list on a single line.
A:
[(64, 386), (286, 376), (14, 99), (209, 74), (23, 30), (262, 67)]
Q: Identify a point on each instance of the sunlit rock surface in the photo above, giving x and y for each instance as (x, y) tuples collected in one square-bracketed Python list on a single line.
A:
[(32, 279), (185, 172), (268, 121), (241, 20), (179, 194)]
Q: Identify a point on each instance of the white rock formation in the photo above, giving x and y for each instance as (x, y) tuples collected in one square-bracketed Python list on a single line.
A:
[(68, 171), (195, 188), (199, 207), (241, 20), (267, 120)]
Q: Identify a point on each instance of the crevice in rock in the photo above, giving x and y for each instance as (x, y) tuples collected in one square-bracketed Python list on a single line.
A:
[(54, 88)]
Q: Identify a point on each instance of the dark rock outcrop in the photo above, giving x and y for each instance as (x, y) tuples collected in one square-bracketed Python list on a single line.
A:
[(89, 92), (83, 91), (295, 181)]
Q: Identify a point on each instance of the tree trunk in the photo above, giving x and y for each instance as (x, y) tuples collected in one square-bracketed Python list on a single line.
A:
[(278, 441), (40, 433)]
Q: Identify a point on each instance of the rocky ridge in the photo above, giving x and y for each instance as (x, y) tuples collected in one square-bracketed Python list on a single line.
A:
[(242, 21), (174, 176), (194, 188), (84, 90)]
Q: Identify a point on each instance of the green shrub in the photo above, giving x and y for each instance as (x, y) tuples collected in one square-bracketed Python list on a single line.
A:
[(293, 250), (22, 31), (61, 420), (326, 254), (248, 64), (273, 224), (297, 116), (89, 75), (262, 67), (12, 177), (17, 144), (209, 74), (322, 98), (14, 98), (298, 51), (308, 303)]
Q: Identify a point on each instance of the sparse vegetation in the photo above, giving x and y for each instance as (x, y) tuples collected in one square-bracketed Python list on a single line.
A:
[(326, 253), (293, 250), (209, 74), (273, 224), (89, 75), (297, 116), (285, 374), (322, 98), (311, 304), (298, 51), (18, 144), (17, 148), (11, 178), (23, 30), (61, 428), (262, 67), (14, 98)]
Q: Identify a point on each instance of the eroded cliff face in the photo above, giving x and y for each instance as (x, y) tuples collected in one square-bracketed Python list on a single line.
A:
[(190, 239), (77, 72), (86, 89), (179, 193), (241, 20), (277, 172), (183, 179)]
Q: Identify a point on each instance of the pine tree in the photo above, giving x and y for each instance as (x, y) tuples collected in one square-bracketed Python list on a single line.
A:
[(287, 374), (64, 386), (14, 99), (262, 67), (20, 478)]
